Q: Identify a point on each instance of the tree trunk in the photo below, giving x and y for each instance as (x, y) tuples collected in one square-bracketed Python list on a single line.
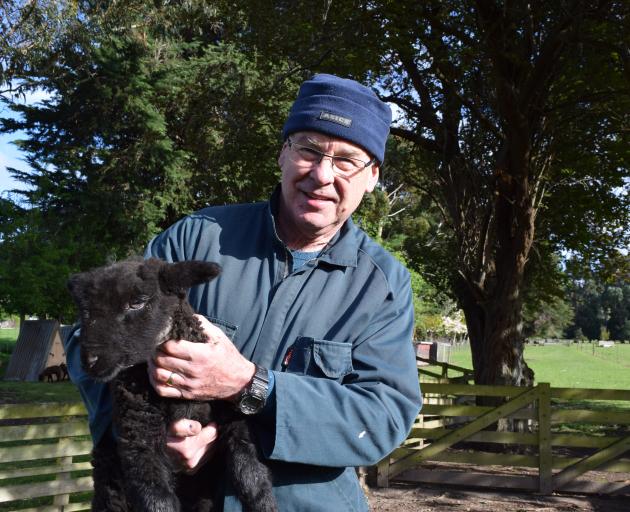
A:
[(494, 310), (496, 341), (22, 319)]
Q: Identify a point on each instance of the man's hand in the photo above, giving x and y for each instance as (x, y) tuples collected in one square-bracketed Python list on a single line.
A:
[(201, 371), (190, 445)]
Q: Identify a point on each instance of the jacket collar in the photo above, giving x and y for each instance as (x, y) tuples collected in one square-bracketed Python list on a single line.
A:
[(341, 251)]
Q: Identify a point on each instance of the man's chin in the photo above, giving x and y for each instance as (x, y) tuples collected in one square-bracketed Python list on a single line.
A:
[(315, 222)]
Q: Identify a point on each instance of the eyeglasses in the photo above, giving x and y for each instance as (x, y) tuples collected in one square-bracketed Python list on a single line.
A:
[(342, 165)]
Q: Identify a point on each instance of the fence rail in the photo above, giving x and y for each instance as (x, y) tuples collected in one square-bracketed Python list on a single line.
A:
[(569, 433), (44, 448), (44, 458)]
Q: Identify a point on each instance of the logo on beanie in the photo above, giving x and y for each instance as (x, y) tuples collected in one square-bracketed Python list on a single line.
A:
[(334, 118)]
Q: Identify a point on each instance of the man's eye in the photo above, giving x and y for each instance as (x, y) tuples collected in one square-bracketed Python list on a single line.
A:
[(345, 164), (344, 161), (309, 154)]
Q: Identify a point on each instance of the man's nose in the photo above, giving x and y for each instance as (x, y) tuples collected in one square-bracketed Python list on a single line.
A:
[(323, 171)]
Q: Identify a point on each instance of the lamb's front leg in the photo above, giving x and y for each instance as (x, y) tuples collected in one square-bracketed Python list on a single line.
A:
[(109, 495), (251, 478), (141, 428)]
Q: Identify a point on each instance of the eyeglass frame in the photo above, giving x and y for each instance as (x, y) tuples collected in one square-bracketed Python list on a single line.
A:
[(335, 168)]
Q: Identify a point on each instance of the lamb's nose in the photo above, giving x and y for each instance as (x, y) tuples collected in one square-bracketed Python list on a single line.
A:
[(91, 360)]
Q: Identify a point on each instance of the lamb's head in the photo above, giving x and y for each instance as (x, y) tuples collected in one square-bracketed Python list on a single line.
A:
[(126, 309)]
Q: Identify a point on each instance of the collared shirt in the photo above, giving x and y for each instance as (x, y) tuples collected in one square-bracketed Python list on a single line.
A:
[(336, 334)]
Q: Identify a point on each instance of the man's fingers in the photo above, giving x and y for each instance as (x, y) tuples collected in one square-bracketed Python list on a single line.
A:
[(209, 433), (212, 332), (180, 349), (191, 450), (167, 383), (184, 428)]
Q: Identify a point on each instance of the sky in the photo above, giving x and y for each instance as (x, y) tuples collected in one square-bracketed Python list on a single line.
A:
[(10, 156)]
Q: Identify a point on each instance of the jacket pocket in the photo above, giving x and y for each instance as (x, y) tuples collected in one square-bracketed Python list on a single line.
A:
[(228, 329), (320, 358)]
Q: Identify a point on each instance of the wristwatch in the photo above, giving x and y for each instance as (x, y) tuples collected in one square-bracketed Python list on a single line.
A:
[(254, 396)]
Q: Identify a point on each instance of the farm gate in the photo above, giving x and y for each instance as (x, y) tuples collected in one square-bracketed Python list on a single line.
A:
[(571, 433)]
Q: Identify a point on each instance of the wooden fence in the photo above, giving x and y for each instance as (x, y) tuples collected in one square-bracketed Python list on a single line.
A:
[(44, 448), (44, 458), (571, 433)]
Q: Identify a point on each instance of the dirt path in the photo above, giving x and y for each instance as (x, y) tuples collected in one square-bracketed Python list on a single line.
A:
[(420, 498)]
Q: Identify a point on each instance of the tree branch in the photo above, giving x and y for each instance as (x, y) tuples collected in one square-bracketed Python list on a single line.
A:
[(428, 144), (428, 115), (483, 119)]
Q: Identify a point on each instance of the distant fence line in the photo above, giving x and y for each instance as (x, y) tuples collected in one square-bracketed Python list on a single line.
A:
[(569, 341)]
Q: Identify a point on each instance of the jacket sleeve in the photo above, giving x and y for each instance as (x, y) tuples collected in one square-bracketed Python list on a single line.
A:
[(362, 417), (95, 395)]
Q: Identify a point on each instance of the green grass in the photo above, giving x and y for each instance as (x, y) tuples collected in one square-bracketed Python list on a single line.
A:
[(9, 335), (38, 392), (571, 366)]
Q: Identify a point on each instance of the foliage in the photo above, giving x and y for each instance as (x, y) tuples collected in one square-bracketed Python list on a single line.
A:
[(146, 121), (601, 308), (28, 29), (493, 100), (511, 138), (22, 288), (549, 320)]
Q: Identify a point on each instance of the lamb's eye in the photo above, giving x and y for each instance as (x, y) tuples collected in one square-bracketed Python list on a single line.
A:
[(137, 302)]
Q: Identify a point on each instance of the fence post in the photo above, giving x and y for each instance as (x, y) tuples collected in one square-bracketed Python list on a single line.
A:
[(63, 499), (545, 462), (382, 473)]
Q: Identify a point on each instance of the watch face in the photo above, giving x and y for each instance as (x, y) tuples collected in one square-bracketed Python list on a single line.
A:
[(250, 404)]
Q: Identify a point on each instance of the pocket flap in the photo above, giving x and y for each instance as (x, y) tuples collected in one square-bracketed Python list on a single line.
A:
[(334, 359)]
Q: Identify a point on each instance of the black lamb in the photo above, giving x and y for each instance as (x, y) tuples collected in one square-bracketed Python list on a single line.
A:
[(127, 310)]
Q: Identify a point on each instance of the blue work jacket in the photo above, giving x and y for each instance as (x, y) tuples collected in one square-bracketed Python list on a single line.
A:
[(336, 333)]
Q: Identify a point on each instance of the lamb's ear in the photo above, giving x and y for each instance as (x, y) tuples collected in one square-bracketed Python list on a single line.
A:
[(178, 277), (76, 286)]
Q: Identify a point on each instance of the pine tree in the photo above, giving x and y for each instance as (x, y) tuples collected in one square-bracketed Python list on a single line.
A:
[(154, 110)]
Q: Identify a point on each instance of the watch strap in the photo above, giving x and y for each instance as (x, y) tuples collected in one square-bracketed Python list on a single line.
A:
[(254, 396)]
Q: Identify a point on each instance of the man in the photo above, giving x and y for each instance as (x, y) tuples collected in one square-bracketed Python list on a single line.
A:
[(310, 323)]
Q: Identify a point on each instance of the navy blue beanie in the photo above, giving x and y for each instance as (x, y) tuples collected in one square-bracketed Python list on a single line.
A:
[(341, 108)]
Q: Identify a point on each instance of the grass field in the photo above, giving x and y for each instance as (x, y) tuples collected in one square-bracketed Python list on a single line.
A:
[(577, 365), (8, 338)]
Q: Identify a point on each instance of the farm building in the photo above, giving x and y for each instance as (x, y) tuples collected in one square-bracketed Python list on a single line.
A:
[(39, 346)]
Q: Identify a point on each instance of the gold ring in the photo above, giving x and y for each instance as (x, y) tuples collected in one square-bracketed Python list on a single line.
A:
[(169, 381)]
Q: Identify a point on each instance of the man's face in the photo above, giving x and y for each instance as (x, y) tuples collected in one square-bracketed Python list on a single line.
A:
[(316, 200)]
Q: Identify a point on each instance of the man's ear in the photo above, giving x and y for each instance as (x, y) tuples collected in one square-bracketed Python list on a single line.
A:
[(372, 178), (283, 154)]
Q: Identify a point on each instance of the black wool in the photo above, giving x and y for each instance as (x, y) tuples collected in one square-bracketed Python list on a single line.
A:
[(127, 310)]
